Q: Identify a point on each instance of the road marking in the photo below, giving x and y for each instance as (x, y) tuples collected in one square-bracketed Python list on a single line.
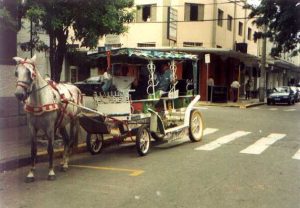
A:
[(297, 155), (133, 172), (200, 108), (262, 144), (209, 131), (273, 109), (256, 108), (222, 140), (288, 110)]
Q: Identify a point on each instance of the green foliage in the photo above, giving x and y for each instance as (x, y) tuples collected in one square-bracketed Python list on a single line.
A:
[(282, 18), (90, 19)]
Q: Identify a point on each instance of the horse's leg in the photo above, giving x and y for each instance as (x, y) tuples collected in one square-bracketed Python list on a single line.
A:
[(30, 175), (66, 138), (50, 134), (69, 141)]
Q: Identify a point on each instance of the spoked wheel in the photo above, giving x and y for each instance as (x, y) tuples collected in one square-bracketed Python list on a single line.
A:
[(196, 126), (94, 143), (143, 140)]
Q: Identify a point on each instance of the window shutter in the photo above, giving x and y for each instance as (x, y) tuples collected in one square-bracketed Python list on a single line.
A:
[(200, 12), (153, 13), (187, 12), (139, 13)]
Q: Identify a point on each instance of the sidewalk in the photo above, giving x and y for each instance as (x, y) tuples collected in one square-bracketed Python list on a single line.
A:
[(241, 103), (15, 147), (15, 142)]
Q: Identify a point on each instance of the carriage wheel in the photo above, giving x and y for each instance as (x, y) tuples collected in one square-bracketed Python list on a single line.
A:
[(94, 143), (143, 140), (196, 126)]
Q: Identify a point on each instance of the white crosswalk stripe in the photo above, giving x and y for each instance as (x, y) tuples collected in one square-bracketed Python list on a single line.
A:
[(273, 109), (257, 148), (262, 144), (297, 155), (209, 131), (222, 140), (256, 108), (289, 110)]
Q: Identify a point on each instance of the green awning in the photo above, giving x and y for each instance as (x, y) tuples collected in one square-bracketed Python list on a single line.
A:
[(145, 54)]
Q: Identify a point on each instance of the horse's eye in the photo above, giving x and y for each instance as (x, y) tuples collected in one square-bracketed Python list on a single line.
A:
[(16, 73)]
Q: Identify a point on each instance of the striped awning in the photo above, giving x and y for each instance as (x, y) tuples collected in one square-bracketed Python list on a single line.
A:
[(146, 54)]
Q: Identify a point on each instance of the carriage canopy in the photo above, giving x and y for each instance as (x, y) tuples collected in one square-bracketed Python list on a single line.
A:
[(145, 54)]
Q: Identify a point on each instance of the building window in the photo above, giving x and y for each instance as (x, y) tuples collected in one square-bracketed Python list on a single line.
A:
[(146, 13), (229, 22), (240, 28), (249, 33), (218, 46), (151, 44), (117, 45), (220, 17), (193, 12), (192, 44)]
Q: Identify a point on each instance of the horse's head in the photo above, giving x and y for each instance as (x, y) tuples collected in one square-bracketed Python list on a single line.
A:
[(26, 74)]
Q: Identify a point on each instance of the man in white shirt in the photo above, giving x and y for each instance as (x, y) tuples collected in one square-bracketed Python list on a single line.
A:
[(235, 85)]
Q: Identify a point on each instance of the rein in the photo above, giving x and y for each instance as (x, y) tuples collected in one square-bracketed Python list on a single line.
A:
[(36, 90)]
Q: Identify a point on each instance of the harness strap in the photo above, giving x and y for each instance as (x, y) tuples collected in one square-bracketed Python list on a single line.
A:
[(23, 84), (38, 110)]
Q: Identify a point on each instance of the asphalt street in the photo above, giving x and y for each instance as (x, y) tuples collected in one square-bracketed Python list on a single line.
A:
[(247, 158)]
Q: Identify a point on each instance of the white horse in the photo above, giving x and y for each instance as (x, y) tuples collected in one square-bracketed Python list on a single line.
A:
[(48, 110)]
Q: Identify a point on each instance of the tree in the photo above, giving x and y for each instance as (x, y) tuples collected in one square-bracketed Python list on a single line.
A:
[(89, 19), (282, 18), (7, 22)]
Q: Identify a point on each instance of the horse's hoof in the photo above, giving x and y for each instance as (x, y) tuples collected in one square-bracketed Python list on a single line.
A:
[(51, 177), (29, 179)]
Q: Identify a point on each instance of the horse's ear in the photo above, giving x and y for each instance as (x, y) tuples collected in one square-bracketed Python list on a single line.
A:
[(33, 59), (18, 59)]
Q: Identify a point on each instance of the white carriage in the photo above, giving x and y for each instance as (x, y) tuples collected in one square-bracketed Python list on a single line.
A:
[(162, 115)]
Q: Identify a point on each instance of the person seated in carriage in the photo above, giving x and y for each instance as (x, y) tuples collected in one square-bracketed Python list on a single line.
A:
[(164, 78)]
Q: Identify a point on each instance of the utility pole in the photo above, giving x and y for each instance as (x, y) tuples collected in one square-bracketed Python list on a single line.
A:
[(234, 27), (262, 80)]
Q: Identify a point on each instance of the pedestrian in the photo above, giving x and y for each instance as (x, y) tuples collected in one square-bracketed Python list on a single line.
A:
[(235, 89), (210, 84), (248, 89)]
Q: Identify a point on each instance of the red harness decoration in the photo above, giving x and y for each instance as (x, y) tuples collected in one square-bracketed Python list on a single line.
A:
[(38, 110)]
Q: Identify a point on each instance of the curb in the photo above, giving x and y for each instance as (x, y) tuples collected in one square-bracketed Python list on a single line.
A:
[(231, 105), (42, 156), (252, 105)]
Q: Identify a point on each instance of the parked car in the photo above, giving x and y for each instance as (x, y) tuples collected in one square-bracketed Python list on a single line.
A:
[(90, 85), (282, 94), (296, 92)]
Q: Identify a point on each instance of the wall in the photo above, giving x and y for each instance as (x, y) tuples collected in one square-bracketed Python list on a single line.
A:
[(11, 112)]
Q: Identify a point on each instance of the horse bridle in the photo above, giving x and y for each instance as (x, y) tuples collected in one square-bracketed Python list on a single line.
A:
[(26, 85)]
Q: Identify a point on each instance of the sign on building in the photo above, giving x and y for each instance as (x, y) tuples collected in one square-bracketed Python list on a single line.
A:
[(207, 58), (172, 24)]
